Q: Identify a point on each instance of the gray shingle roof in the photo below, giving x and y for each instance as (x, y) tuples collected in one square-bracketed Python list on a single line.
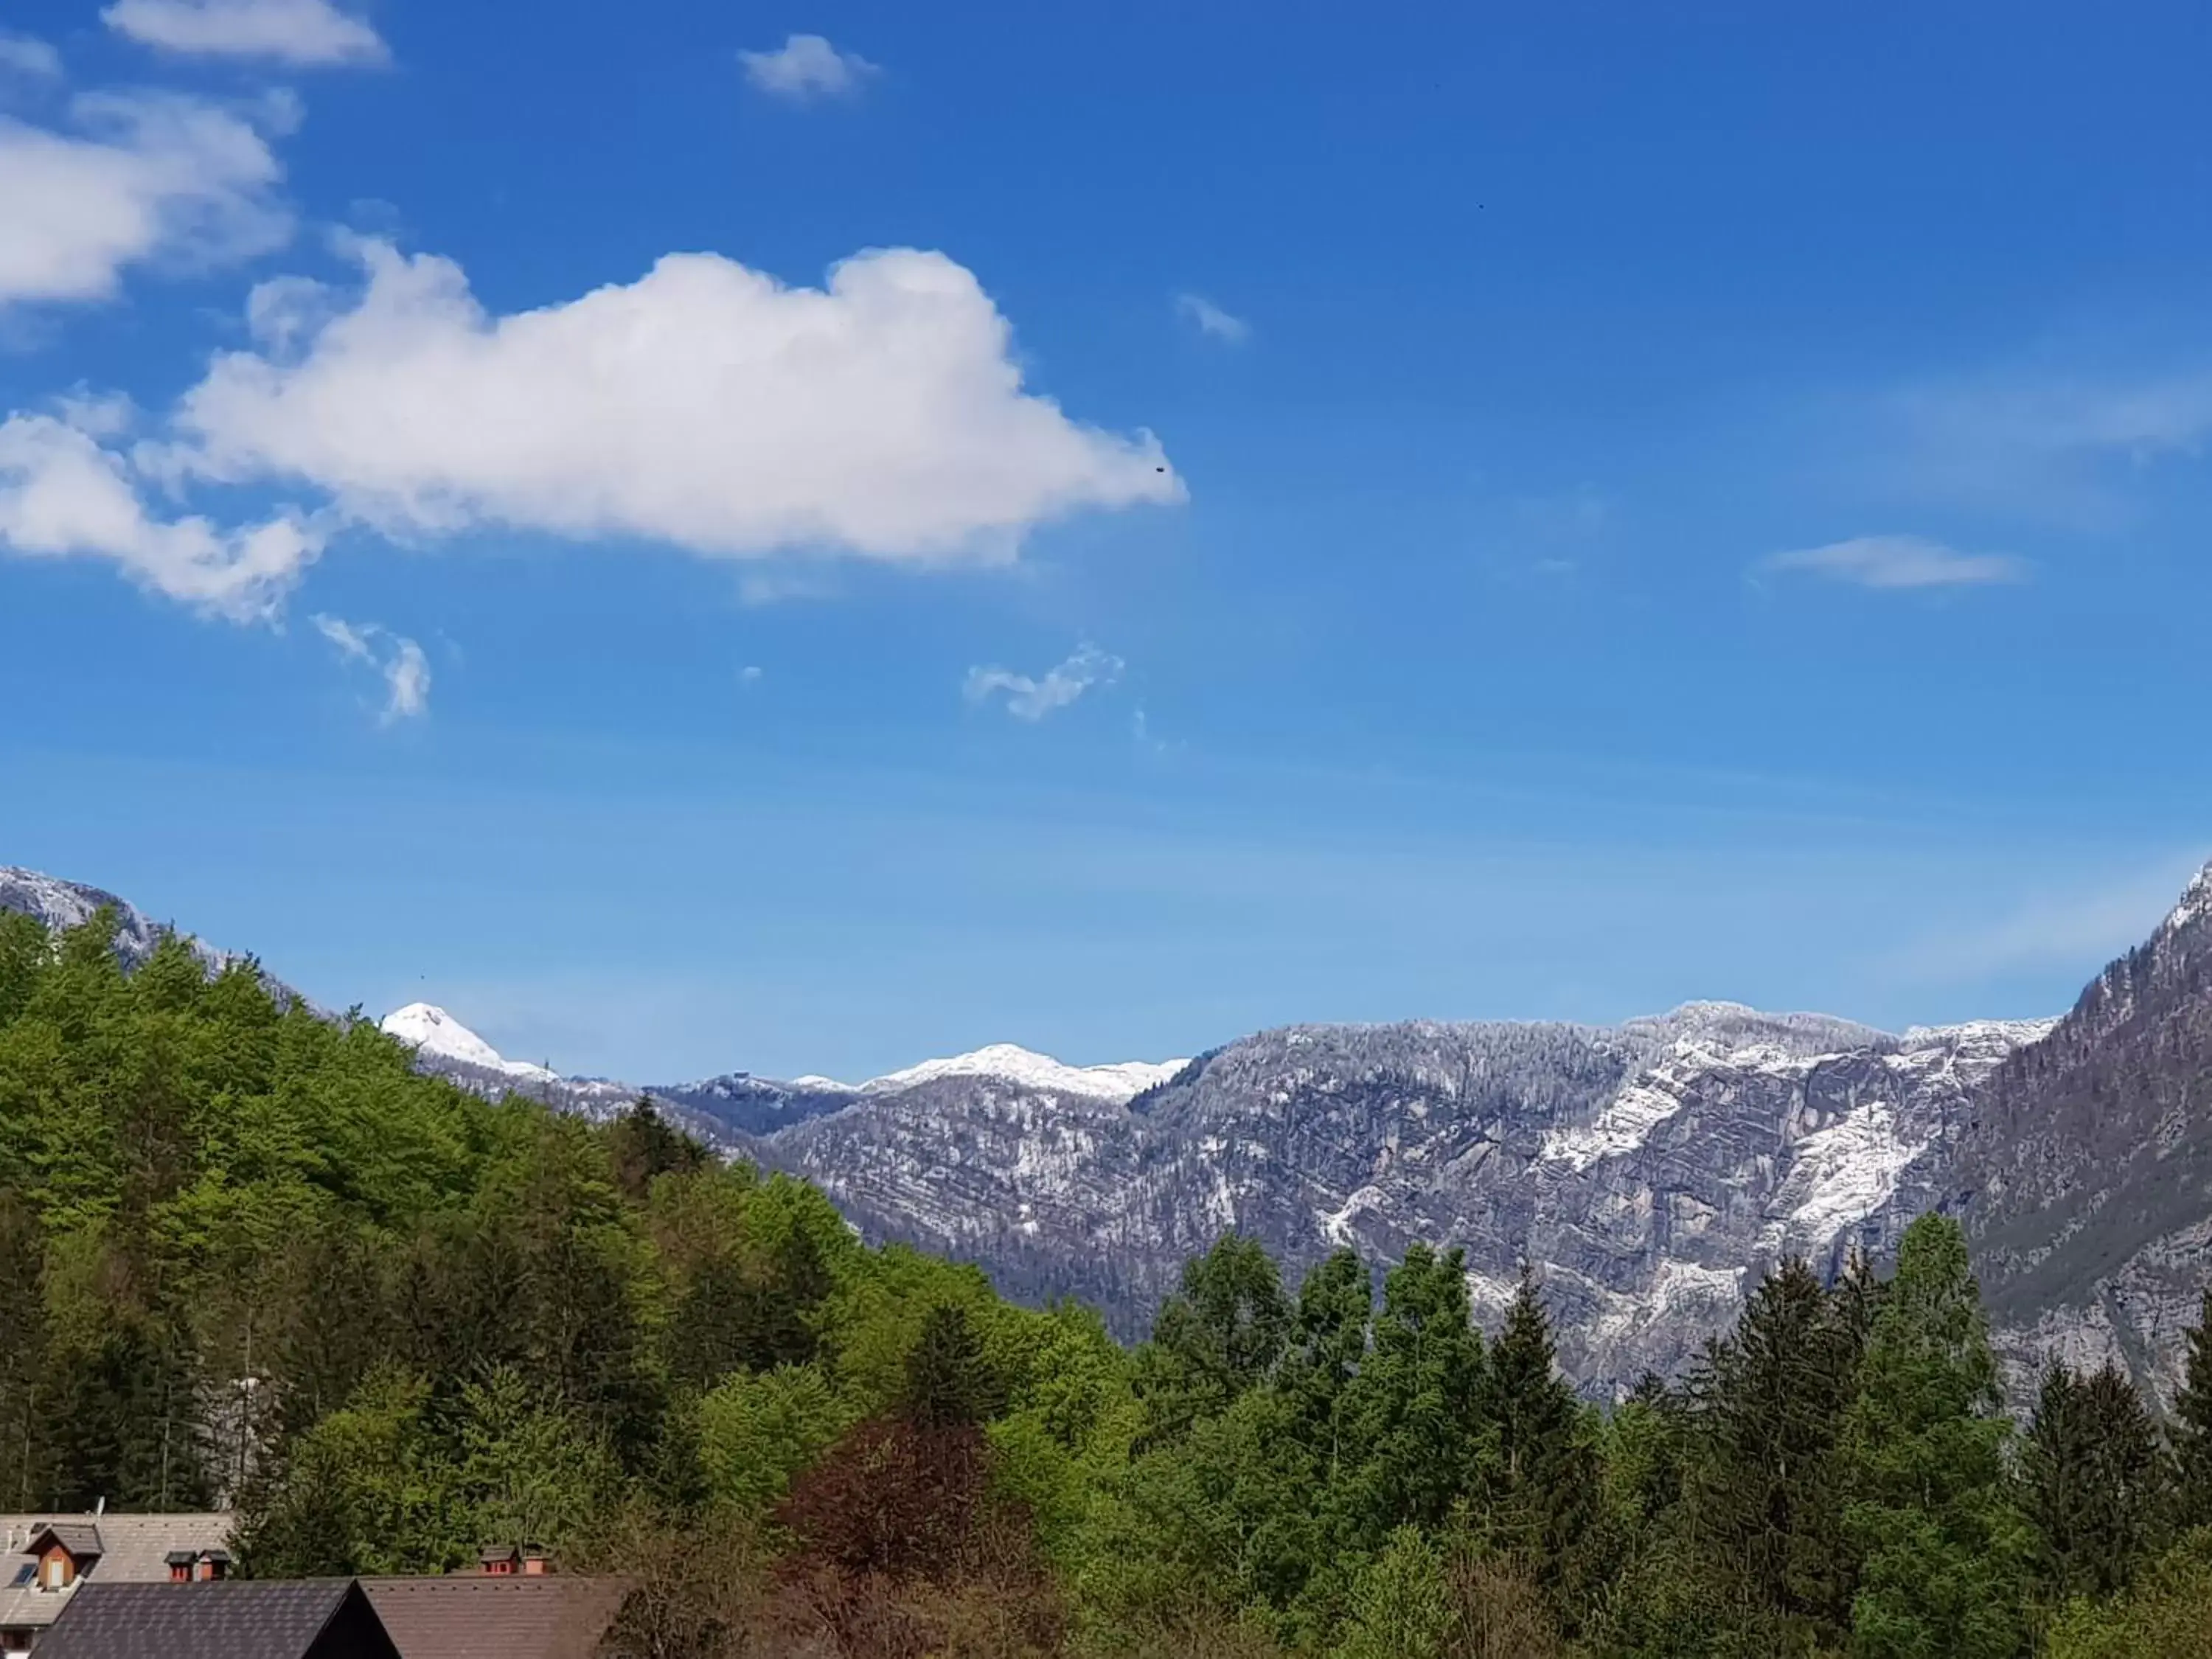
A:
[(134, 1549), (235, 1619)]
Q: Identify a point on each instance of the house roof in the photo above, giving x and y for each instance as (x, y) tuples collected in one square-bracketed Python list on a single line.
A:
[(134, 1549), (233, 1618), (502, 1618)]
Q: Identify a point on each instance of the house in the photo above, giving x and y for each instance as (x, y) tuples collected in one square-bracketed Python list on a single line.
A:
[(231, 1619), (496, 1614), (44, 1557)]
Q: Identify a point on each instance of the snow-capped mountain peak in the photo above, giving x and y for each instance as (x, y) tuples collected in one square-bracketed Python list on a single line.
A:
[(430, 1030), (1008, 1063)]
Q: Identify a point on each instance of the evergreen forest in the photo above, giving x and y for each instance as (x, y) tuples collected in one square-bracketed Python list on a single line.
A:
[(255, 1262)]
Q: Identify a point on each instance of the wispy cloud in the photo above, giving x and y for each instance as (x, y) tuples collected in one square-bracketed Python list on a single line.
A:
[(401, 663), (2081, 930), (1032, 699), (2078, 443), (1894, 563), (806, 68), (1210, 319), (24, 54), (301, 32)]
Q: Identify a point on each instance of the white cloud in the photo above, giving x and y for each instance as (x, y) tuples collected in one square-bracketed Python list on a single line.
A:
[(705, 406), (1899, 561), (807, 67), (145, 176), (400, 661), (25, 54), (749, 674), (291, 31), (1029, 699), (63, 495), (1211, 319)]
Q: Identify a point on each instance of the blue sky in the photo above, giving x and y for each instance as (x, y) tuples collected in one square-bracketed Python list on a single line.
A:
[(1281, 513)]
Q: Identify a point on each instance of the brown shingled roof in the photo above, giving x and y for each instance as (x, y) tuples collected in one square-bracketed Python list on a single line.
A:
[(496, 1618)]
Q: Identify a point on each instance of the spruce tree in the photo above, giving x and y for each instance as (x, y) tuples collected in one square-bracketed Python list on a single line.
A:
[(1943, 1552), (1765, 1410), (1540, 1475), (950, 1383), (2095, 1482)]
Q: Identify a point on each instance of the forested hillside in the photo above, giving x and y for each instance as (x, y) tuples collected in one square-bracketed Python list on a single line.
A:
[(254, 1258)]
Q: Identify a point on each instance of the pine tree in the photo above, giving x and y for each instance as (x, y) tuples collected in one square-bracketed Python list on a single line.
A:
[(2093, 1482), (1765, 1411), (950, 1383), (1540, 1475), (1943, 1552)]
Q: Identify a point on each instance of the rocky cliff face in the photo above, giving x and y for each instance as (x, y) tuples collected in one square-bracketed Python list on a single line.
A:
[(61, 904), (2086, 1179), (1649, 1171)]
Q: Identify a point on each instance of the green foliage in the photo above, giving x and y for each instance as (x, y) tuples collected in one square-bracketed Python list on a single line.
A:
[(1399, 1606), (1215, 1337), (1540, 1476), (2191, 1425), (2169, 1612), (1411, 1437), (1765, 1416), (257, 1259), (1943, 1552), (757, 1429), (2095, 1482)]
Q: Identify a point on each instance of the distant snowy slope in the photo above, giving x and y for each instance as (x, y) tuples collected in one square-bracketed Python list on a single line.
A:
[(1003, 1062), (431, 1030)]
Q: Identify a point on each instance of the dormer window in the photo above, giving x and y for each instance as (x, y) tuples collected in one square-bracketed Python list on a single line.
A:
[(64, 1552)]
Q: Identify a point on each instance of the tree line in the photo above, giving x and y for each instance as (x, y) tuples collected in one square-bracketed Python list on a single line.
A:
[(255, 1261)]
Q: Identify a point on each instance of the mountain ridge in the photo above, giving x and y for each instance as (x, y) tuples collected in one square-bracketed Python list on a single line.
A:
[(1649, 1169)]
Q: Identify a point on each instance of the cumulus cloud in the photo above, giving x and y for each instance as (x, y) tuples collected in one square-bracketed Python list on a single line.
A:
[(807, 67), (24, 54), (303, 32), (1210, 319), (1897, 561), (143, 176), (1032, 699), (705, 406), (405, 671), (64, 496)]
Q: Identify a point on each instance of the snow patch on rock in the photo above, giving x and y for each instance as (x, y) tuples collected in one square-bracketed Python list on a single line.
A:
[(1844, 1173)]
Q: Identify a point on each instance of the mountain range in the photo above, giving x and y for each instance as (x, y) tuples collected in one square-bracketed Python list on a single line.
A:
[(1647, 1171)]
